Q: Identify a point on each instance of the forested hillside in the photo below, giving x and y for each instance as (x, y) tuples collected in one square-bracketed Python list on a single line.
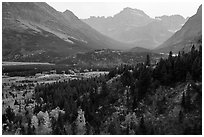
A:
[(132, 99)]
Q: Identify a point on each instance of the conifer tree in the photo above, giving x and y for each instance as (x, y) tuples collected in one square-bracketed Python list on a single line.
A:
[(10, 114), (170, 55), (183, 102), (181, 116), (142, 127), (147, 62), (188, 77), (193, 49)]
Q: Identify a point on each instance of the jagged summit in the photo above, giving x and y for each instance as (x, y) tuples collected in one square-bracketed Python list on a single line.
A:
[(130, 11), (134, 26), (199, 11), (68, 12)]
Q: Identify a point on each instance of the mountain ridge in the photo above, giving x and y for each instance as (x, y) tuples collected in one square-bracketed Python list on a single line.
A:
[(127, 22), (190, 34), (26, 23)]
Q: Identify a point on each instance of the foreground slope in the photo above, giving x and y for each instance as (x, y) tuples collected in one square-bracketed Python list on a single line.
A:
[(158, 99)]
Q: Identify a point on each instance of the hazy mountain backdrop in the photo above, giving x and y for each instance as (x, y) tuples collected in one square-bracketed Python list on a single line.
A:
[(135, 27), (38, 31)]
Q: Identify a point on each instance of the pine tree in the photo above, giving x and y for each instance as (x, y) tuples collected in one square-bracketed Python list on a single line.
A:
[(188, 77), (188, 102), (10, 114), (30, 130), (193, 49), (200, 51), (183, 102), (126, 78), (179, 54), (73, 128), (104, 89), (181, 116), (170, 55), (22, 130), (142, 127), (147, 62), (144, 82), (197, 68)]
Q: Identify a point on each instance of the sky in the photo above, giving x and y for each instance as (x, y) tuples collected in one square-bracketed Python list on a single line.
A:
[(84, 10)]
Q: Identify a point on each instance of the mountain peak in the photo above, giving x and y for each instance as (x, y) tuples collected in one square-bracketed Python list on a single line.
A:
[(68, 12), (37, 27), (129, 10), (70, 15), (199, 9), (175, 16), (129, 13)]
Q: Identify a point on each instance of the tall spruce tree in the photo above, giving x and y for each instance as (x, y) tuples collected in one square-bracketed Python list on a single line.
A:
[(147, 62)]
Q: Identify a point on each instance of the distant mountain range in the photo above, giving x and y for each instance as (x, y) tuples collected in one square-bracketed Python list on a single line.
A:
[(135, 27), (37, 32), (190, 34)]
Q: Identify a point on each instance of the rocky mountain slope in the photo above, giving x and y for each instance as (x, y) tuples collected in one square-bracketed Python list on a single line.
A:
[(39, 32), (190, 34)]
